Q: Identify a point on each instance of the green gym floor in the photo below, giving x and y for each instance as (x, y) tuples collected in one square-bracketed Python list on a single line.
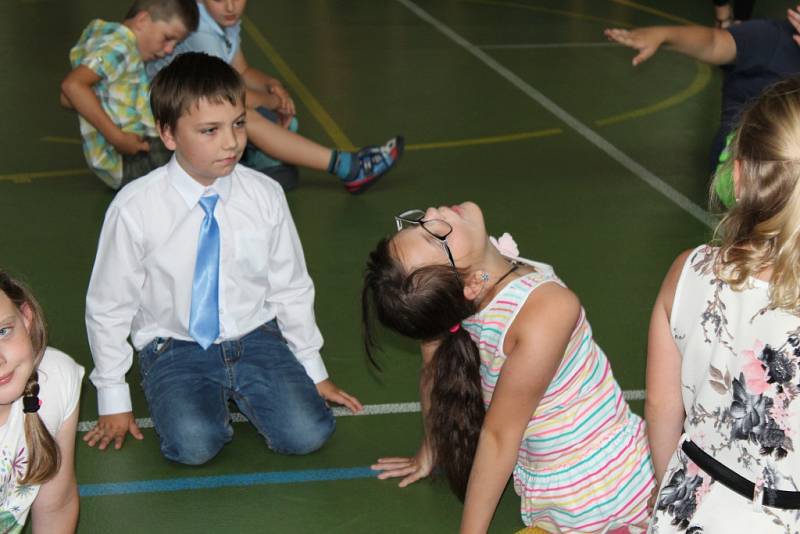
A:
[(595, 167)]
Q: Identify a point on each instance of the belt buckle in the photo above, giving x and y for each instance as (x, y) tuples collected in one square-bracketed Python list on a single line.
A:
[(758, 495)]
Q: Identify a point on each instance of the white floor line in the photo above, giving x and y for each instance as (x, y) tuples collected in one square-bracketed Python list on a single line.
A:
[(523, 46), (587, 133), (370, 409)]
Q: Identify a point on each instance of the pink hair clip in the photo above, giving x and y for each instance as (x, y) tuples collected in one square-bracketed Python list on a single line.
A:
[(455, 328)]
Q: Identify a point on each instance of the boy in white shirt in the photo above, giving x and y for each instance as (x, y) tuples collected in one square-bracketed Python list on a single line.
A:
[(200, 263)]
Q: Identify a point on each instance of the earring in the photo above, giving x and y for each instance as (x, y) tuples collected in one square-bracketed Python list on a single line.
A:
[(485, 276)]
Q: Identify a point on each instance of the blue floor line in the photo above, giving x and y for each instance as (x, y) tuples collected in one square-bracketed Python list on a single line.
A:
[(247, 479)]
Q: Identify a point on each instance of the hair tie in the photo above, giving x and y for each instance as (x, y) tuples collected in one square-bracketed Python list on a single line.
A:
[(455, 328), (31, 403)]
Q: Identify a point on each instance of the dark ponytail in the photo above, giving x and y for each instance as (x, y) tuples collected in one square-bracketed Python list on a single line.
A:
[(425, 305)]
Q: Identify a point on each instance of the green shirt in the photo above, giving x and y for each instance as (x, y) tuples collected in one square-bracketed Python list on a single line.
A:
[(109, 49)]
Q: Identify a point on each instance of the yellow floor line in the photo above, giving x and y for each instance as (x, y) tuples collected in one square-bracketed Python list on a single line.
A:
[(700, 81), (26, 177), (287, 75), (341, 140), (485, 140), (570, 14), (653, 11)]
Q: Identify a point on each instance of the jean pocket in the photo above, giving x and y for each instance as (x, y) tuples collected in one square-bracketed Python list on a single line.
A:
[(272, 329), (151, 353)]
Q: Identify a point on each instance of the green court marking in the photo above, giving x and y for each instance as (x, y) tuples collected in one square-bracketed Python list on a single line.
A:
[(323, 117), (570, 14), (486, 140), (26, 177), (701, 79), (653, 11)]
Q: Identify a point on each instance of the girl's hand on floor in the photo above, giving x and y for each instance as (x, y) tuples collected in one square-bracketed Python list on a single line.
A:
[(412, 469)]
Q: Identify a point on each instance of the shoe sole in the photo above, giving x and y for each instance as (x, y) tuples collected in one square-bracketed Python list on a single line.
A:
[(400, 147)]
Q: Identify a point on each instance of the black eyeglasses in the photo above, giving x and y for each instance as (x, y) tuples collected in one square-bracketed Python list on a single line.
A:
[(435, 227)]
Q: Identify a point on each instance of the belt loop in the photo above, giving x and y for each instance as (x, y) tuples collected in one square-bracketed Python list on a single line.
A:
[(758, 495)]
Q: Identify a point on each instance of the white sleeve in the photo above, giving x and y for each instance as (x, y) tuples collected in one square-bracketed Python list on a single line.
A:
[(292, 294), (111, 304), (59, 388)]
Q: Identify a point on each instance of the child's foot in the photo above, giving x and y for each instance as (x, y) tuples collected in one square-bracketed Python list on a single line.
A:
[(371, 163)]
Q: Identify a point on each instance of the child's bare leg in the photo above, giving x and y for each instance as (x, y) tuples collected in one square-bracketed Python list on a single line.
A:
[(284, 145)]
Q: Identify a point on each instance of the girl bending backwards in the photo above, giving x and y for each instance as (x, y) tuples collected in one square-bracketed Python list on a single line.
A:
[(512, 382), (39, 389), (723, 398)]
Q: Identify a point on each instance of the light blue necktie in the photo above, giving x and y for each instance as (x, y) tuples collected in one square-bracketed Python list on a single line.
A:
[(204, 316)]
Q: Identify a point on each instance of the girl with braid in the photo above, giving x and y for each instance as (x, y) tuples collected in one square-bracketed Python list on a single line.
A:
[(39, 390), (512, 382)]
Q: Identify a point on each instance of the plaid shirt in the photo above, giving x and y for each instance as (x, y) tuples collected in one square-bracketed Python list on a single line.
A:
[(109, 49)]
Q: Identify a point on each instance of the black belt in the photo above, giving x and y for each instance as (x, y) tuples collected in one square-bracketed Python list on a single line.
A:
[(788, 500)]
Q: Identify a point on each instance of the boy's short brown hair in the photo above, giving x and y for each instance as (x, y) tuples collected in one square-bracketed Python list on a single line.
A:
[(166, 10), (189, 78)]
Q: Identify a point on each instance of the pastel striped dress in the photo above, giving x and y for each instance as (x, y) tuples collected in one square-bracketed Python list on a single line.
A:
[(583, 464)]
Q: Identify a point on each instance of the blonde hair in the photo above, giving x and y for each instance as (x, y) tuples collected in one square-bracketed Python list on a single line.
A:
[(762, 230), (44, 457)]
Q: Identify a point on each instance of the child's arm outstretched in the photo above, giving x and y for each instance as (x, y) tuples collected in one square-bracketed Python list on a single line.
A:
[(55, 510), (535, 345), (77, 92), (421, 464), (264, 90), (663, 406), (709, 45)]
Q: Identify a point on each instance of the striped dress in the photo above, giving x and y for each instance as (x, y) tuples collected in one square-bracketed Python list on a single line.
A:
[(584, 463)]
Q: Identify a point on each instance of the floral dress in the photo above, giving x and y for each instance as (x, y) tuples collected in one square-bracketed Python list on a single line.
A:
[(740, 392)]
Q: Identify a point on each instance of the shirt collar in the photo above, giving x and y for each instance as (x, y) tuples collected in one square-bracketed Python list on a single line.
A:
[(189, 188), (206, 17)]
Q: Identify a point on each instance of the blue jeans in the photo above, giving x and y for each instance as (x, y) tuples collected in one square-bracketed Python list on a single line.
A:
[(188, 389)]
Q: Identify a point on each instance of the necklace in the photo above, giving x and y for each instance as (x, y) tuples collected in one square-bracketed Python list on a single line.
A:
[(492, 290), (514, 266)]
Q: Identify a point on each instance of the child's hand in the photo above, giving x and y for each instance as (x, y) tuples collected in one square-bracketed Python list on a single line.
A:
[(331, 392), (793, 15), (286, 106), (130, 143), (113, 427), (645, 40), (412, 469)]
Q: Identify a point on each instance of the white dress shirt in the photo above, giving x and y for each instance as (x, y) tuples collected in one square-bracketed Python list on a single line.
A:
[(142, 278)]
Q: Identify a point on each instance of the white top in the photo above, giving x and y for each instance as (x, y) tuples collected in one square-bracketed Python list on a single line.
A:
[(142, 278), (740, 372), (59, 389)]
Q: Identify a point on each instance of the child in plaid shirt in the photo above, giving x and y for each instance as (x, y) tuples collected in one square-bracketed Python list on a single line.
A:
[(110, 89)]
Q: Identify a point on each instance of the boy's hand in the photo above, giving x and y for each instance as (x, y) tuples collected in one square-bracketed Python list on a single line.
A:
[(645, 40), (331, 392), (113, 427), (793, 15), (130, 143)]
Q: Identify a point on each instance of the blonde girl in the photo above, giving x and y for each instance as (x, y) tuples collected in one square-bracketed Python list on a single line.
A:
[(39, 390)]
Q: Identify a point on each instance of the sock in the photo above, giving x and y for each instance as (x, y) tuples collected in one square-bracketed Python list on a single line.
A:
[(343, 165)]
